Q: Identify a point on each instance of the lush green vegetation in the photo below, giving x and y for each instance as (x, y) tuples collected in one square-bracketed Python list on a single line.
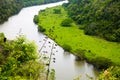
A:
[(95, 50), (112, 73), (19, 60), (41, 29), (57, 11), (36, 19), (11, 7), (66, 22), (52, 75), (98, 17)]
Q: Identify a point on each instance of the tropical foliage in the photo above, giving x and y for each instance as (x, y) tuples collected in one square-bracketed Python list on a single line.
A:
[(19, 60), (112, 73), (11, 7), (99, 17), (66, 22)]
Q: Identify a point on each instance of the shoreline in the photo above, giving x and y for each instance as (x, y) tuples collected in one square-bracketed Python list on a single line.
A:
[(56, 32)]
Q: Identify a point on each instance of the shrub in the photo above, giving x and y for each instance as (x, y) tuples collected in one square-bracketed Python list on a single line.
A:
[(118, 35), (116, 71), (112, 73), (57, 11), (66, 47), (52, 74), (36, 19), (42, 10), (80, 54), (90, 29), (66, 22), (41, 29), (101, 62), (2, 37)]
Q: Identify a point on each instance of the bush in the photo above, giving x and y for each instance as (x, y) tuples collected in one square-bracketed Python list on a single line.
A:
[(36, 19), (101, 62), (66, 22), (90, 29), (66, 47), (116, 71), (57, 11), (41, 29), (112, 73), (52, 74), (2, 37), (110, 37), (80, 54), (118, 35)]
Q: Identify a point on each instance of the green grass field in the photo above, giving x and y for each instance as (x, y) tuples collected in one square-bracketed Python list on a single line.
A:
[(76, 38)]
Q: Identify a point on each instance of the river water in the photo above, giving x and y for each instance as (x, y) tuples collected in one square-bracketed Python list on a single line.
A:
[(64, 63)]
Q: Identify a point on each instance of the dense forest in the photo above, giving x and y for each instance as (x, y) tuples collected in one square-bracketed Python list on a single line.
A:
[(19, 59), (11, 7), (97, 17)]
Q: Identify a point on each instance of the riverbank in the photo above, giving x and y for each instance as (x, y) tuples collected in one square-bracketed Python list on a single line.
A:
[(93, 47)]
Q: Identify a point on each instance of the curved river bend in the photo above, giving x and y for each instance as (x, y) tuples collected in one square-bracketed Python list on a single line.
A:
[(65, 65)]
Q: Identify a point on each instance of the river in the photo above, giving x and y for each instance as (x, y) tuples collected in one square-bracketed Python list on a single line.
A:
[(64, 63)]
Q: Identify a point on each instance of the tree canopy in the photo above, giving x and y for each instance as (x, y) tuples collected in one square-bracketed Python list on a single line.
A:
[(19, 60), (99, 17), (11, 7)]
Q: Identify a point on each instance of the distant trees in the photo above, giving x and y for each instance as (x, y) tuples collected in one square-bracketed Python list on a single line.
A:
[(2, 37), (11, 7), (99, 17), (48, 1)]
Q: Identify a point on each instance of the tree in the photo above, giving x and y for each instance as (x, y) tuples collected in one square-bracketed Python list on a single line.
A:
[(36, 19), (57, 11), (66, 22), (19, 60), (99, 17)]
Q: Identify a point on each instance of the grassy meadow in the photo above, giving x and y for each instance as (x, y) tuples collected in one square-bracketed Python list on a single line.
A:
[(75, 37)]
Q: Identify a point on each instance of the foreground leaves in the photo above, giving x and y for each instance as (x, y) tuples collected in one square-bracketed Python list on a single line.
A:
[(19, 60)]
